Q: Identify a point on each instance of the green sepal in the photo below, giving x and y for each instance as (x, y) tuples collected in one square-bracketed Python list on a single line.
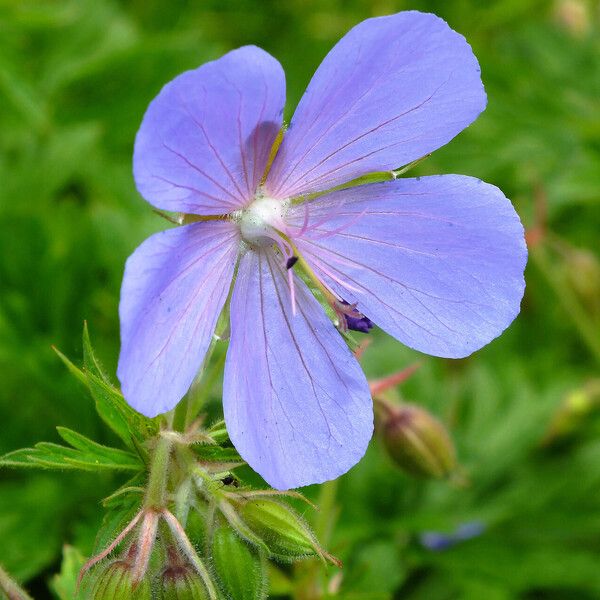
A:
[(181, 583), (217, 454), (240, 569), (218, 432), (116, 583), (130, 493), (113, 522), (234, 519)]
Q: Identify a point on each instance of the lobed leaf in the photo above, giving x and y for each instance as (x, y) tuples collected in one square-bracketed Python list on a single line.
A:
[(129, 425), (85, 455)]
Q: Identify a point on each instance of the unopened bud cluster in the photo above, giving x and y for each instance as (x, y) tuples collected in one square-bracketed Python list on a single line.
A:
[(225, 558)]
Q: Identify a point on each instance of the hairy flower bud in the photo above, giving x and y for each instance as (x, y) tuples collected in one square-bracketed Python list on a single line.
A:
[(417, 442), (116, 583), (240, 569), (181, 582), (284, 532)]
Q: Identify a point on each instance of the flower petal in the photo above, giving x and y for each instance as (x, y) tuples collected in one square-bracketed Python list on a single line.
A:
[(437, 262), (297, 405), (392, 90), (205, 140), (174, 288)]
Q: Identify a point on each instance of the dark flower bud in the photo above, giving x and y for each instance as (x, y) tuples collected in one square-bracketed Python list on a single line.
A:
[(417, 442), (116, 582), (181, 582)]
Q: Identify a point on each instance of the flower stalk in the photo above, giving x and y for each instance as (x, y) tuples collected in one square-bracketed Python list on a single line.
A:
[(11, 588), (159, 470)]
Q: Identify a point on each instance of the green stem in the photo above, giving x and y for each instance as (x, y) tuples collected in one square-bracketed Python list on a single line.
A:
[(310, 579), (10, 588), (569, 302), (328, 511), (197, 397), (180, 413), (156, 492)]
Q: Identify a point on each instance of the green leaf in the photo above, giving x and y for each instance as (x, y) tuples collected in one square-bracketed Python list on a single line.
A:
[(376, 568), (128, 494), (19, 458), (218, 454), (89, 447), (132, 427), (64, 584), (85, 455), (90, 361), (10, 589), (74, 370)]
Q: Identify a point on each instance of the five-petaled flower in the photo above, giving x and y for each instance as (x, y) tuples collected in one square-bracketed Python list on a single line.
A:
[(437, 262)]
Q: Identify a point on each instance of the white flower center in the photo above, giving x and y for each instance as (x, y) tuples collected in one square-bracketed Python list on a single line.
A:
[(258, 220)]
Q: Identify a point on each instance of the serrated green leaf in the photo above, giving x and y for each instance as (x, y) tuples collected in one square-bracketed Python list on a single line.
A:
[(73, 369), (90, 361), (19, 459), (131, 427), (89, 447), (90, 457), (128, 424)]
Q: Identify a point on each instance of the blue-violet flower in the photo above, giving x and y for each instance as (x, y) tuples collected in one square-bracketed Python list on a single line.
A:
[(437, 262)]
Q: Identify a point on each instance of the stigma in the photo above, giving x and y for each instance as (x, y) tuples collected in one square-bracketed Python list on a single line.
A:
[(262, 220)]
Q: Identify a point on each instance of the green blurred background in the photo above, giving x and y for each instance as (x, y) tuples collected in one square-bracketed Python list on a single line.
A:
[(75, 79)]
